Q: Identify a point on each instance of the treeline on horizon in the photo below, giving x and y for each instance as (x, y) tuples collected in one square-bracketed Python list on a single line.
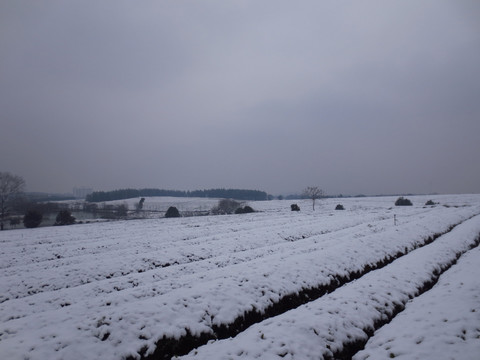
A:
[(237, 194)]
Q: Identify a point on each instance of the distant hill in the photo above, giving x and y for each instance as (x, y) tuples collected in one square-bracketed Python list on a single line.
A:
[(238, 194)]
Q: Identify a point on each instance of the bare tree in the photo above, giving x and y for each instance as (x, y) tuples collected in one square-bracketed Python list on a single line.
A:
[(10, 185), (314, 193), (226, 206)]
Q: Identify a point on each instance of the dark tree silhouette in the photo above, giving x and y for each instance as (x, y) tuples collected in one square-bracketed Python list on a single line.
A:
[(401, 201), (64, 217), (10, 186), (239, 194), (139, 206), (32, 219)]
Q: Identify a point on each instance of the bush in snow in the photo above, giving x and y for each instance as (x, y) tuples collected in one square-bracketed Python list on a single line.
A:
[(401, 201), (225, 206), (339, 207), (32, 219), (172, 212), (429, 203), (295, 207), (64, 217), (245, 210)]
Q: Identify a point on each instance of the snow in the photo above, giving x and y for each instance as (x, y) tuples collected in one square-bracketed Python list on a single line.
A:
[(433, 329), (113, 290), (321, 328)]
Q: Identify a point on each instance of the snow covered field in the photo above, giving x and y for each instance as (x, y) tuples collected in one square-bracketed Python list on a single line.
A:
[(297, 285)]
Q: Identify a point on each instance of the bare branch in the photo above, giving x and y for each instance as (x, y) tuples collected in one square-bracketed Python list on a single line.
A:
[(314, 193)]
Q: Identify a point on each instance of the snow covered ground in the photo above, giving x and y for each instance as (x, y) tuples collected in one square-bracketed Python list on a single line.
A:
[(443, 323), (142, 287)]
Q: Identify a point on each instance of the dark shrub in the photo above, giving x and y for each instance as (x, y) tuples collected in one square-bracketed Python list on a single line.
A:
[(401, 201), (295, 207), (64, 217), (339, 207), (245, 210), (172, 212), (32, 219), (429, 203)]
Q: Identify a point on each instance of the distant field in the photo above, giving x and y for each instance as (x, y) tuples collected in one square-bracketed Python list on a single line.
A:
[(163, 203), (273, 284)]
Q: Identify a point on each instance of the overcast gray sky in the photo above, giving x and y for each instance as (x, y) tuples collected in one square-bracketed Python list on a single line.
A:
[(369, 97)]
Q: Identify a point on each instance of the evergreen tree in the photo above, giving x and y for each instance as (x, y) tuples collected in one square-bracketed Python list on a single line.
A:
[(32, 219), (64, 217)]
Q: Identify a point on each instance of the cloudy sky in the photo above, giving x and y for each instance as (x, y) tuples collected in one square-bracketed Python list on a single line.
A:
[(371, 97)]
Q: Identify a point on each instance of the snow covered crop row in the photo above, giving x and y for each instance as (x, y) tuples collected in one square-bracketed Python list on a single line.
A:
[(158, 287), (443, 323), (322, 329)]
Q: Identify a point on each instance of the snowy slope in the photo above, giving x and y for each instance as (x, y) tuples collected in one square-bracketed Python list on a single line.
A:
[(112, 290)]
